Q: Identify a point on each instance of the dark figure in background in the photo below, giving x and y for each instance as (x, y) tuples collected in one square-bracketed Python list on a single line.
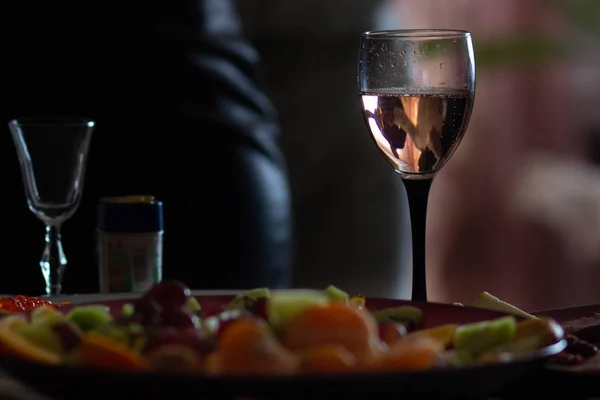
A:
[(173, 88)]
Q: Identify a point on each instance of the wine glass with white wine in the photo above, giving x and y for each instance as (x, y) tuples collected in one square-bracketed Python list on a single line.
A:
[(417, 89)]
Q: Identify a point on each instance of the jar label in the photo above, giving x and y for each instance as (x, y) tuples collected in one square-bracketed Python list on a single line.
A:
[(129, 262)]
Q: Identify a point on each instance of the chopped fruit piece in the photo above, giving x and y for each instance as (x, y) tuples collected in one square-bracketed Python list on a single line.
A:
[(410, 316), (97, 350), (147, 311), (336, 294), (69, 335), (442, 333), (178, 318), (285, 304), (248, 347), (481, 337), (169, 294), (547, 331), (245, 300), (90, 317), (13, 343), (13, 321), (417, 353), (333, 323), (260, 308), (42, 336), (489, 302), (192, 305), (327, 358), (532, 334), (44, 311), (390, 332), (222, 321), (357, 301), (128, 310)]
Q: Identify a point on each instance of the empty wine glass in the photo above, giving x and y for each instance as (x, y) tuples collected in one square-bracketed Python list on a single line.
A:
[(52, 154), (417, 89)]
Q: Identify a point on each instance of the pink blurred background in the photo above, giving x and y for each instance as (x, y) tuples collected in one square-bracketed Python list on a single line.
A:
[(515, 212)]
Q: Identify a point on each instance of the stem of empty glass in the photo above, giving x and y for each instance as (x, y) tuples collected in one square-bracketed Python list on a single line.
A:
[(417, 191), (53, 262)]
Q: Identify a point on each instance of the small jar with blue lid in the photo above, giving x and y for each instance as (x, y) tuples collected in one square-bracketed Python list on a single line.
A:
[(130, 243)]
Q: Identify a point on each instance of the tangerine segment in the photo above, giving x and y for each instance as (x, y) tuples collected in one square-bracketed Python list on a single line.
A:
[(416, 353), (442, 333), (333, 324), (248, 347), (327, 358), (13, 343), (97, 350)]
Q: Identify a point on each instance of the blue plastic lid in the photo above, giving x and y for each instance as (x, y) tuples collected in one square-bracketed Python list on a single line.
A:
[(130, 214)]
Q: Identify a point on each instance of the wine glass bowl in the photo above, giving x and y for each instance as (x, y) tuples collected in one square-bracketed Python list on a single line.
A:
[(417, 90), (52, 154)]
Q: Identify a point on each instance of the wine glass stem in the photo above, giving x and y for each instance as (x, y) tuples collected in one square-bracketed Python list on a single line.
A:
[(417, 191), (53, 262)]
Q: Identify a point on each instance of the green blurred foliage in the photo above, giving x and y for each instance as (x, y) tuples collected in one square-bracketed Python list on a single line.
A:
[(516, 50), (519, 49)]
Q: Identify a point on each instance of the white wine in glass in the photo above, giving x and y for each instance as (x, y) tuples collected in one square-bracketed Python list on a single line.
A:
[(417, 89)]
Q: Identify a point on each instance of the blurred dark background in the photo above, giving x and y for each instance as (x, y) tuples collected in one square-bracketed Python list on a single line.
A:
[(517, 209)]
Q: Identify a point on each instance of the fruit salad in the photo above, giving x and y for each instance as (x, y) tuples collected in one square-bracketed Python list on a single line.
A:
[(261, 331)]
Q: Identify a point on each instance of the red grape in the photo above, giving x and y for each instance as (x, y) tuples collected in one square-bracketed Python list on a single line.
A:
[(147, 310), (178, 318), (69, 335), (259, 308), (169, 294), (161, 337), (390, 332)]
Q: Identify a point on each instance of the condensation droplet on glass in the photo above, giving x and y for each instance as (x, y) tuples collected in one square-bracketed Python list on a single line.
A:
[(441, 65), (454, 40), (392, 65), (402, 53), (437, 45), (465, 85)]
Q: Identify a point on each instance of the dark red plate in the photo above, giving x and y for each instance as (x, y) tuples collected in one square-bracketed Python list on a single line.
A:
[(64, 382)]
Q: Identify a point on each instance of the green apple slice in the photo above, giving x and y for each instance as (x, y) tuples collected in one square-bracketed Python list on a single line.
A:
[(286, 304), (479, 337)]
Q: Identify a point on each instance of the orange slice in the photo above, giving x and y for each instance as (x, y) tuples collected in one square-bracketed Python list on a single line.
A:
[(96, 350), (13, 343), (442, 333)]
